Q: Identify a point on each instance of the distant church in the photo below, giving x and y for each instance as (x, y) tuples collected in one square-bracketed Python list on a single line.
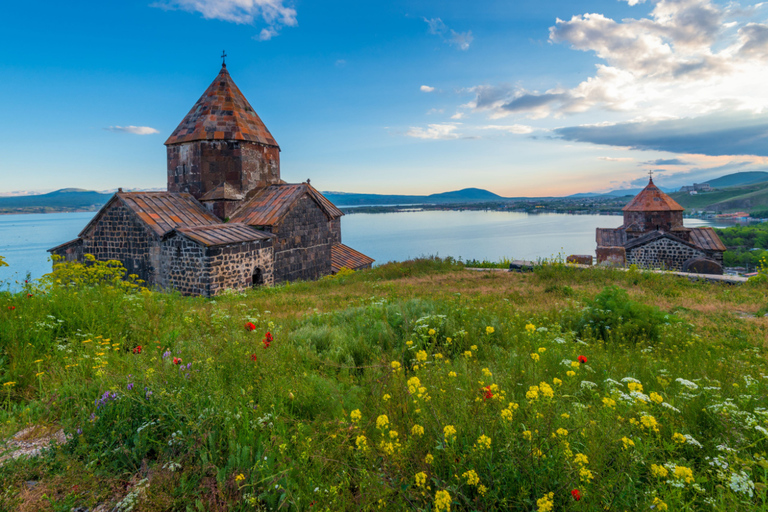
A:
[(227, 220), (653, 236)]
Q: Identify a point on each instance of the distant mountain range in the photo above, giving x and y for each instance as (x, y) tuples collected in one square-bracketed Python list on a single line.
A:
[(739, 191)]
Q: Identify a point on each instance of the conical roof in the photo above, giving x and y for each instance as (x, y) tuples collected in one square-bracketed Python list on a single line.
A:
[(222, 113), (651, 199)]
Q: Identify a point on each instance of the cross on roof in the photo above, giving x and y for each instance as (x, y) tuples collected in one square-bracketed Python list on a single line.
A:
[(224, 58), (650, 173)]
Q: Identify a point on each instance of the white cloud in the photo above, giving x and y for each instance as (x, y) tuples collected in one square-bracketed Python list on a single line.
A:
[(518, 129), (434, 111), (615, 159), (681, 60), (426, 88), (457, 115), (136, 130), (461, 40), (275, 13), (434, 132)]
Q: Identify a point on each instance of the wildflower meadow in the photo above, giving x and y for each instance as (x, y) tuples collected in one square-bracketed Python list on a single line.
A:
[(412, 386)]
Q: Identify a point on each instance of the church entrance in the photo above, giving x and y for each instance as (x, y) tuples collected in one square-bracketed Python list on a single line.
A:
[(258, 278)]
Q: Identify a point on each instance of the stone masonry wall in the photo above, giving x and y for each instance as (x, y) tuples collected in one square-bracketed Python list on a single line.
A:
[(303, 245), (119, 235), (662, 253), (200, 166), (194, 269), (649, 221), (335, 227)]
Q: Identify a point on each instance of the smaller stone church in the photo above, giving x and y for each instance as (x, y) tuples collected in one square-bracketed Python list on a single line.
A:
[(227, 220), (653, 236)]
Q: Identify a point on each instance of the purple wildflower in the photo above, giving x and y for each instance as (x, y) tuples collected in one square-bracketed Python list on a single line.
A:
[(166, 354), (130, 386), (79, 431)]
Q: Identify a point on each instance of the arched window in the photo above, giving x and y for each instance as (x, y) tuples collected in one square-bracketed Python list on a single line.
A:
[(258, 277)]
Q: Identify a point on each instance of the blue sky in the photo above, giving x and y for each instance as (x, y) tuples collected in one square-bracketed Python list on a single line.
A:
[(520, 98)]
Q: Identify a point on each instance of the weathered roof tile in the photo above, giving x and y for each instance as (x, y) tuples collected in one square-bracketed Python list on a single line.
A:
[(343, 256)]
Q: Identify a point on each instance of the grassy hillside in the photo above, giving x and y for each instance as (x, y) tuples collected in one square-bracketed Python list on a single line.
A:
[(739, 178), (729, 199), (412, 386)]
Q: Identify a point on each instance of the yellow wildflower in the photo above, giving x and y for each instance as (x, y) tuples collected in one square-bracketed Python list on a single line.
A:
[(482, 490), (535, 356), (655, 397), (542, 350), (635, 386), (471, 477), (545, 503), (443, 501), (239, 478), (10, 383), (413, 385), (506, 414), (37, 361), (609, 402), (684, 473), (467, 354), (562, 432), (650, 422), (395, 366), (628, 443), (421, 479), (546, 390), (679, 438), (421, 355), (527, 434), (530, 328), (409, 343), (532, 393), (449, 340), (386, 397), (487, 372), (557, 382), (489, 330), (473, 347), (417, 430), (429, 459), (483, 442), (659, 505), (565, 416), (39, 374), (585, 475), (449, 432), (393, 434), (451, 374), (356, 415), (574, 364), (659, 471), (570, 373), (581, 459), (431, 332), (382, 422)]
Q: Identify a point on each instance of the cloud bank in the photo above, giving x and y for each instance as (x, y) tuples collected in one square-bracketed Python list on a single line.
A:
[(275, 13)]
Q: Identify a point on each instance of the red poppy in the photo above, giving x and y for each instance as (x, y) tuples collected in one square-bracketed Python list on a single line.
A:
[(137, 349), (576, 494), (582, 359), (29, 295), (11, 307), (487, 392), (267, 343), (253, 357), (268, 336), (176, 360), (250, 326)]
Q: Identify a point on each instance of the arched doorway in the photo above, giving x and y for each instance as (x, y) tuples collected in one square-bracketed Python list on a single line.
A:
[(258, 277)]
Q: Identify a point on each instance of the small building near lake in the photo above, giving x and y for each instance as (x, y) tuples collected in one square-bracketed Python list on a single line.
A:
[(227, 220), (653, 236)]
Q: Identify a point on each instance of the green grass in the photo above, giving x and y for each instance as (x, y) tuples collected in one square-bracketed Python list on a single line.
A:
[(349, 405)]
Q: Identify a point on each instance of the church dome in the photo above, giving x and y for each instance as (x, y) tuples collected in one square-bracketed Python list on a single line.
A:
[(652, 199)]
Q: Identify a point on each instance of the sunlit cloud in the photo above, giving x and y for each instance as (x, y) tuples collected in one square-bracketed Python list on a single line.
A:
[(136, 130), (460, 40), (434, 132)]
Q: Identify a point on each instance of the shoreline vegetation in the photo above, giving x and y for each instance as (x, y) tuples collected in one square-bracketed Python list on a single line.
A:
[(411, 386)]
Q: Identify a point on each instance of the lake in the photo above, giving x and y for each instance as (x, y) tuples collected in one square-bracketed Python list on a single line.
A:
[(399, 236)]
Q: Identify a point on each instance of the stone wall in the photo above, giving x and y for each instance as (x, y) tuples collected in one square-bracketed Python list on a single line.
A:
[(193, 269), (200, 166), (303, 245), (662, 253), (119, 235), (335, 227), (654, 221), (71, 251)]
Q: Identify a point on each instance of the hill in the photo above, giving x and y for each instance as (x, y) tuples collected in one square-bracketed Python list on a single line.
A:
[(410, 386), (467, 195), (66, 199), (727, 199), (739, 178)]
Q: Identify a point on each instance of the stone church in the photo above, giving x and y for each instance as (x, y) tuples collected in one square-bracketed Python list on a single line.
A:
[(227, 220), (653, 236)]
